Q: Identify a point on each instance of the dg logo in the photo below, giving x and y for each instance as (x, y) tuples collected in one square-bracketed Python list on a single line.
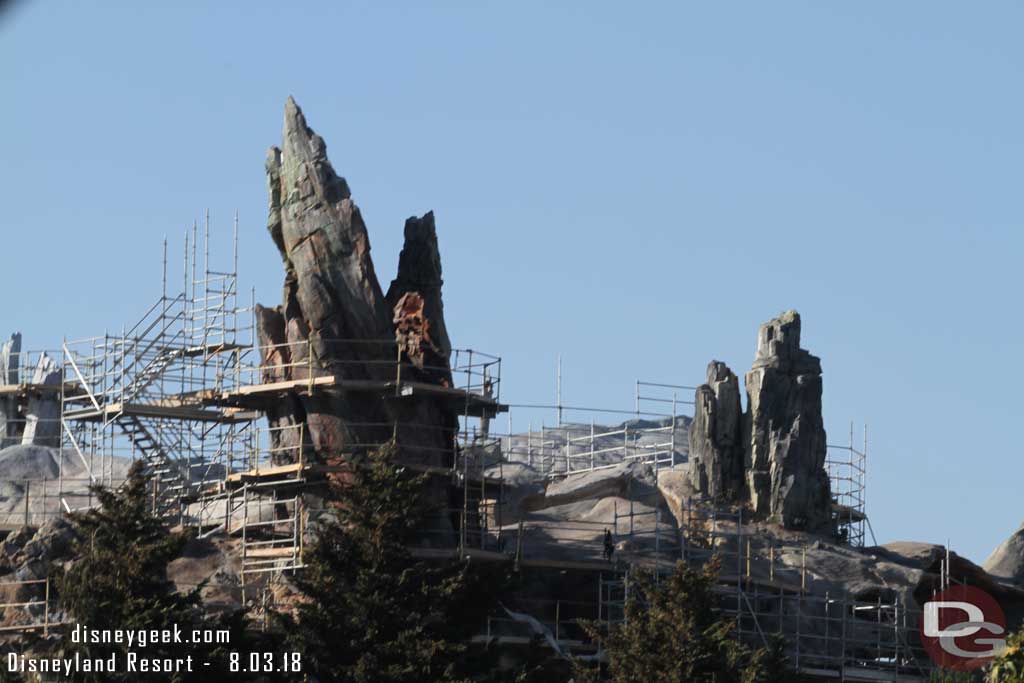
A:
[(963, 628)]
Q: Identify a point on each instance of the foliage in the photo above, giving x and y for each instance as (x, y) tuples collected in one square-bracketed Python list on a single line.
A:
[(672, 634), (1009, 665), (375, 613), (118, 581)]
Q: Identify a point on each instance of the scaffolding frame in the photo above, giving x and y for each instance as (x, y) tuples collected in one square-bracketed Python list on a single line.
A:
[(846, 465), (133, 396)]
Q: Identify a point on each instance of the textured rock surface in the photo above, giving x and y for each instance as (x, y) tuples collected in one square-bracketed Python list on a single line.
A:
[(331, 292), (42, 411), (716, 437), (335, 318), (9, 411), (1007, 561), (785, 454), (419, 271)]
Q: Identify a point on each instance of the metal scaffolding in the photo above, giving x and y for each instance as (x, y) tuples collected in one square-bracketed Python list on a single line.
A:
[(186, 390), (136, 395), (847, 470)]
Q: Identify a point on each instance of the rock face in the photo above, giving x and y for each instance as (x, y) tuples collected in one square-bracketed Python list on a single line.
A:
[(785, 454), (716, 436), (1007, 561), (419, 271), (334, 317), (336, 321)]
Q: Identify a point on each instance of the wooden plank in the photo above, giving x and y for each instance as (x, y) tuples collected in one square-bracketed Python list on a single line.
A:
[(166, 410), (477, 404), (26, 388), (266, 472), (32, 627), (845, 513), (269, 553)]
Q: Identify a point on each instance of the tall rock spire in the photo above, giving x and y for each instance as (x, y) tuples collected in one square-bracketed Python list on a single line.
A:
[(335, 320), (716, 436), (785, 454)]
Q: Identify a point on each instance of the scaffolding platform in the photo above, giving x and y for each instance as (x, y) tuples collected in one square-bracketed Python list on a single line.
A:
[(26, 388), (848, 514), (258, 396), (166, 410)]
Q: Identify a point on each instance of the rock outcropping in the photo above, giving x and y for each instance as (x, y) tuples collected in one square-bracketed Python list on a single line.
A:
[(772, 456), (716, 436), (785, 459), (335, 319), (1007, 561)]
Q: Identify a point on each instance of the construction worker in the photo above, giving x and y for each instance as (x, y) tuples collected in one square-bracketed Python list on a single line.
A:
[(609, 545)]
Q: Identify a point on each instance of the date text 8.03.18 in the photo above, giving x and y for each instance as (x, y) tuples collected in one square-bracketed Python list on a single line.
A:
[(265, 662)]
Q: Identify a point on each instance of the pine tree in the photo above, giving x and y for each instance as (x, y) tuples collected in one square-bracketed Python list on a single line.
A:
[(672, 634), (373, 612), (118, 580)]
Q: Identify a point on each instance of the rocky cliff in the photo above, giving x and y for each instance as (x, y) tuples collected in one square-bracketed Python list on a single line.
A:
[(772, 457)]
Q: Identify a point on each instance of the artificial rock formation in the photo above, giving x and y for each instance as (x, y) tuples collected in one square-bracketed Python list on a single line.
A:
[(334, 317), (419, 272), (785, 454), (336, 321), (31, 417), (1007, 561), (716, 436), (771, 457)]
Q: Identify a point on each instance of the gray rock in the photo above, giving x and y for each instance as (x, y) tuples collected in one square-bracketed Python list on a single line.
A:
[(612, 481), (1007, 561), (335, 319), (785, 454), (54, 540), (16, 540), (908, 553), (419, 270), (10, 427), (331, 292), (29, 462), (42, 412), (716, 443)]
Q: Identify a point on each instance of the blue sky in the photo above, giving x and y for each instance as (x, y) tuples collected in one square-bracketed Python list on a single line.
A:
[(636, 188)]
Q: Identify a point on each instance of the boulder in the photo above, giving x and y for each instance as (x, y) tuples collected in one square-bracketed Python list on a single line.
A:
[(1007, 561), (716, 443), (785, 452), (54, 540)]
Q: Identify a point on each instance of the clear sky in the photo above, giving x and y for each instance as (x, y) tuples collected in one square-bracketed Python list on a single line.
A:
[(634, 185)]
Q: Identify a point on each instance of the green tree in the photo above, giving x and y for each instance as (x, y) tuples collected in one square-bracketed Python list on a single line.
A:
[(373, 612), (672, 634), (118, 581), (1009, 665)]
